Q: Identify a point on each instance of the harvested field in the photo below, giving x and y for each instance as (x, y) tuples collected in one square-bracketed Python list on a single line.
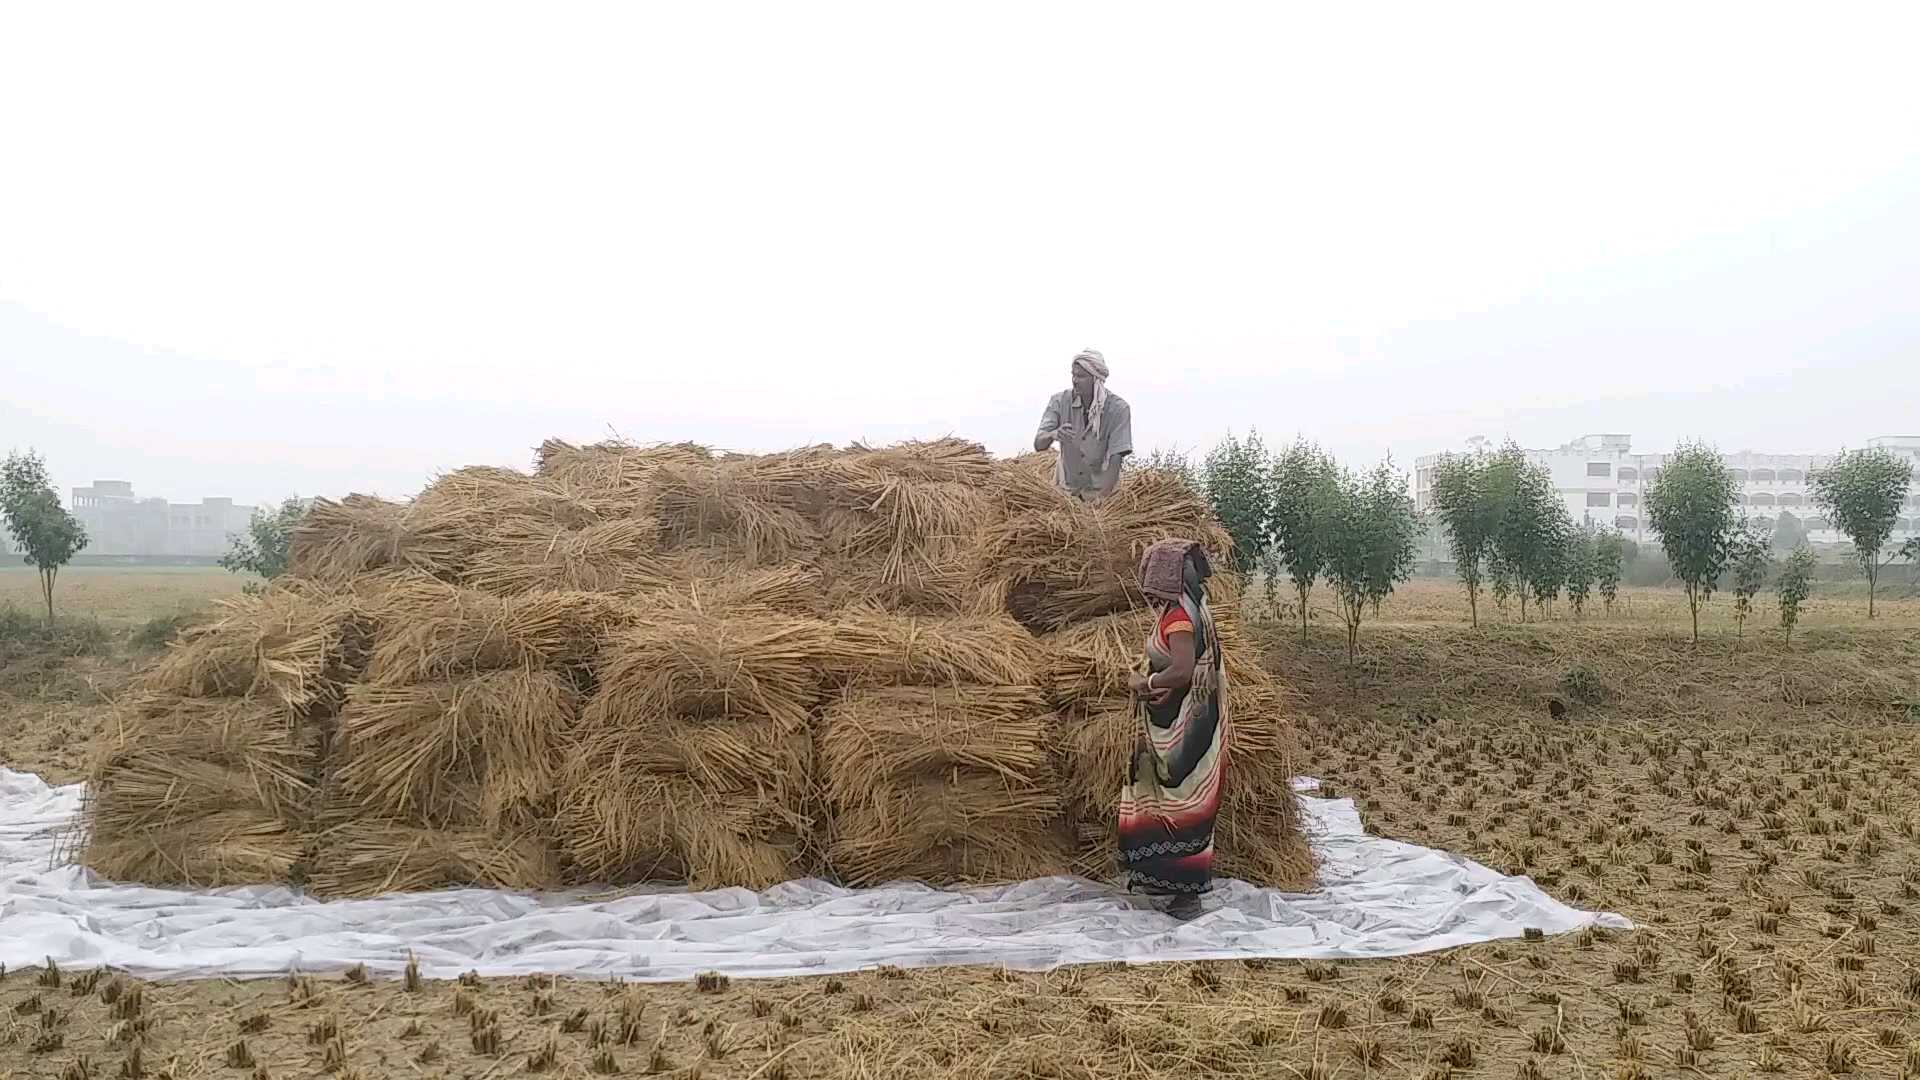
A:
[(1765, 844)]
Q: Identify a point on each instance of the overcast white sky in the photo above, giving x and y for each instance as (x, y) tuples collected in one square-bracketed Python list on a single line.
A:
[(258, 249)]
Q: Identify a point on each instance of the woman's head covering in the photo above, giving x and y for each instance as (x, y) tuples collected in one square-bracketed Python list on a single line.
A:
[(1095, 365), (1171, 569)]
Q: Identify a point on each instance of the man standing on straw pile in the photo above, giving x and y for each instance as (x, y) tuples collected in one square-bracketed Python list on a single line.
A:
[(1093, 427)]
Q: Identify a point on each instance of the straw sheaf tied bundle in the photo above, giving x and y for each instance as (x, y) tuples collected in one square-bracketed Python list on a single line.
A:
[(687, 660), (198, 792), (762, 509), (875, 737), (970, 830), (337, 541), (523, 555), (694, 760), (952, 784), (294, 644), (612, 467), (368, 857), (431, 631), (1070, 561), (478, 751), (870, 647)]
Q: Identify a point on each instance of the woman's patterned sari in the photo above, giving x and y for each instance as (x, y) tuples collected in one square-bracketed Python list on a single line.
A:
[(1173, 787)]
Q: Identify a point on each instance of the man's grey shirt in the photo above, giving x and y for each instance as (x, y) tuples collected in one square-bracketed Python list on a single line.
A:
[(1086, 461)]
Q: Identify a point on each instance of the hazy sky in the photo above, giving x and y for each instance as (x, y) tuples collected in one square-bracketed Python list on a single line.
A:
[(258, 249)]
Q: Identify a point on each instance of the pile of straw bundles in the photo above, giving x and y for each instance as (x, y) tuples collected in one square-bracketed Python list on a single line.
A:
[(693, 761), (208, 773), (666, 664), (935, 755)]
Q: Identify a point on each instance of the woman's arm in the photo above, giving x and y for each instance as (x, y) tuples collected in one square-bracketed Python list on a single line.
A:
[(1178, 674)]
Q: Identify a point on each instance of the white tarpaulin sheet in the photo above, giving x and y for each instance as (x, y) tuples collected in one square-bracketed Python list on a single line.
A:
[(1376, 898)]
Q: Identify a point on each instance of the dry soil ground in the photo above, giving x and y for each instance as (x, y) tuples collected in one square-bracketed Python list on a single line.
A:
[(1754, 809)]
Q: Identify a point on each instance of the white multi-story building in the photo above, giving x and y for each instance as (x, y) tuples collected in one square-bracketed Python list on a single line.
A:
[(1604, 483)]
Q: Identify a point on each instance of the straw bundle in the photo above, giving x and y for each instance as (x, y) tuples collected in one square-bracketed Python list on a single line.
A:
[(685, 660), (795, 589), (198, 792), (489, 491), (429, 631), (942, 784), (1093, 659), (613, 468), (479, 751), (694, 758), (650, 828), (336, 541), (973, 830), (877, 648), (523, 555), (761, 509), (365, 857), (939, 461), (293, 643), (1073, 561)]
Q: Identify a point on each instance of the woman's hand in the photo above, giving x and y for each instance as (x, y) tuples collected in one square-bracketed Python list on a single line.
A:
[(1159, 695), (1141, 687)]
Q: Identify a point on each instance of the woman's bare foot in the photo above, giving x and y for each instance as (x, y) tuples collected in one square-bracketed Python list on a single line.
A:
[(1184, 908)]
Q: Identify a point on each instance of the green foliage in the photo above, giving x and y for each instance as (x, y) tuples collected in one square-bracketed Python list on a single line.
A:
[(34, 516), (1690, 505), (1751, 561), (1794, 586), (1609, 563), (1531, 524), (1910, 551), (158, 632), (263, 550), (1861, 493), (1238, 480), (1584, 685), (25, 636), (1174, 460), (1464, 506), (1306, 492), (1373, 529), (1789, 532), (1582, 567)]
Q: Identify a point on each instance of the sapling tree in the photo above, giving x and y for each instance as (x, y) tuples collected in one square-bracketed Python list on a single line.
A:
[(48, 535), (1751, 561), (1464, 505), (1795, 584), (1238, 480), (1609, 563), (1374, 529), (1861, 493), (1690, 504), (1306, 489)]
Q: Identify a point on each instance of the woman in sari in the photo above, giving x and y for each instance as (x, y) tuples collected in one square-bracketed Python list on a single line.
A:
[(1179, 762)]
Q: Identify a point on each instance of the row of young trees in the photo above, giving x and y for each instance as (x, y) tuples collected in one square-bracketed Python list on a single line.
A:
[(1301, 515), (1507, 525), (1510, 532)]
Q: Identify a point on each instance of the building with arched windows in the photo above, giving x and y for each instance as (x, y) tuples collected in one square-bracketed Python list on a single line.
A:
[(1605, 483)]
